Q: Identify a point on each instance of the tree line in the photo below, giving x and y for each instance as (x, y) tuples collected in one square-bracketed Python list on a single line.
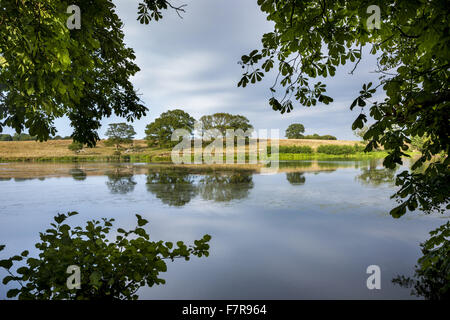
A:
[(27, 137)]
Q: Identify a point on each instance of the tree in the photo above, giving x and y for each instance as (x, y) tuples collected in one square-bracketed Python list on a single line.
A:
[(312, 38), (5, 137), (48, 71), (295, 131), (160, 131), (432, 274), (120, 133), (110, 269), (223, 121)]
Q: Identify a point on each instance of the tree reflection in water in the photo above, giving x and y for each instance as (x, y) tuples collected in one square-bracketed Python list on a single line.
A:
[(376, 177), (224, 187), (432, 274), (78, 174), (296, 178), (172, 187), (120, 181), (177, 188)]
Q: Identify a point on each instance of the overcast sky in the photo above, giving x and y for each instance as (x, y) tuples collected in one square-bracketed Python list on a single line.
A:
[(191, 64)]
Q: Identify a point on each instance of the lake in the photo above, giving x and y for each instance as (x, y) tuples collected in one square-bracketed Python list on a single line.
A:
[(307, 232)]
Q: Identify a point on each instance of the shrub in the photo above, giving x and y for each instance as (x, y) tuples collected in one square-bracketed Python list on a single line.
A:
[(75, 146), (339, 150), (6, 137), (315, 136), (110, 268), (296, 149)]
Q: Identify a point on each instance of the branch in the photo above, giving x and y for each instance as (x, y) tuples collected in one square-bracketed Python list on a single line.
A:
[(357, 62), (177, 9)]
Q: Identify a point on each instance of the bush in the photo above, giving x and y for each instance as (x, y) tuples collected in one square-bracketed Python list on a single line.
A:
[(296, 149), (23, 137), (315, 136), (75, 146), (5, 137), (339, 150)]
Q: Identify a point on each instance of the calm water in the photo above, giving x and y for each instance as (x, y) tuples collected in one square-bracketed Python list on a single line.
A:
[(307, 232)]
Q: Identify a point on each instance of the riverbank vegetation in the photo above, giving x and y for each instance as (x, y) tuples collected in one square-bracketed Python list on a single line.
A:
[(139, 151)]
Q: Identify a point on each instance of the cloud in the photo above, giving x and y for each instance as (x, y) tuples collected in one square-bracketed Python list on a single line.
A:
[(191, 63)]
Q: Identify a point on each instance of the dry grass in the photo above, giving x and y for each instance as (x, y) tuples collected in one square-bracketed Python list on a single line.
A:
[(59, 148)]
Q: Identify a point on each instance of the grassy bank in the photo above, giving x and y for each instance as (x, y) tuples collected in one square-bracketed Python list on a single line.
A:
[(57, 151)]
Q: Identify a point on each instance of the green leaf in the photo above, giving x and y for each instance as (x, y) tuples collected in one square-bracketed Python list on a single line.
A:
[(12, 293)]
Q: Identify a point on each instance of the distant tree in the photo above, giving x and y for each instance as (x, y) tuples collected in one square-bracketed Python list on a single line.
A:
[(223, 121), (5, 137), (295, 131), (160, 131), (120, 133), (328, 137), (23, 137), (75, 146)]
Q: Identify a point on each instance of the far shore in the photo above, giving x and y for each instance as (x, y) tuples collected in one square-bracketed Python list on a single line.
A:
[(139, 151)]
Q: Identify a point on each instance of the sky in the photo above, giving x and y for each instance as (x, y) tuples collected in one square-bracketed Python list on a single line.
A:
[(191, 64)]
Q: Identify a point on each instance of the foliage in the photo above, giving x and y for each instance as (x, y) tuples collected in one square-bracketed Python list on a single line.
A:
[(295, 131), (48, 71), (152, 10), (120, 133), (5, 137), (338, 150), (360, 133), (432, 275), (223, 121), (23, 137), (110, 269), (315, 136), (160, 131), (75, 146), (313, 38), (418, 143), (294, 149)]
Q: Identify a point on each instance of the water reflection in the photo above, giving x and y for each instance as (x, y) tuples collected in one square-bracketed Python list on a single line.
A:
[(376, 177), (432, 274), (172, 187), (309, 215), (120, 181), (223, 187), (78, 174), (296, 178)]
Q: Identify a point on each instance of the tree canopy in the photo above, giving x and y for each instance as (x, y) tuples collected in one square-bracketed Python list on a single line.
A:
[(48, 71), (160, 131), (223, 121), (120, 133), (312, 38), (295, 131)]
